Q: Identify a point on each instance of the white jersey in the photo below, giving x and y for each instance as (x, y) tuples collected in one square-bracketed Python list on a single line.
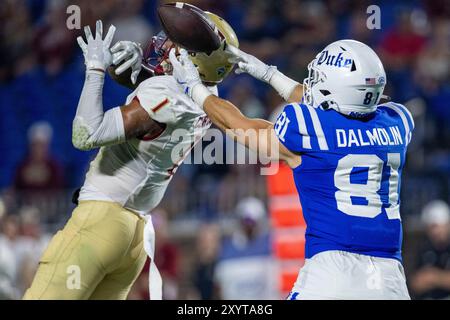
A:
[(136, 173)]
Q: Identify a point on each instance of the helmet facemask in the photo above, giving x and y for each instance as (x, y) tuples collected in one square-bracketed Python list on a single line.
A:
[(156, 55), (314, 77)]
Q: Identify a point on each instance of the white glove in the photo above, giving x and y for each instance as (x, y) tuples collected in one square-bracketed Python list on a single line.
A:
[(187, 76), (251, 65), (261, 71), (131, 54), (96, 51)]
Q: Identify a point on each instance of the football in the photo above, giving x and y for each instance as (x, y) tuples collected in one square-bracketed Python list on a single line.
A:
[(188, 26)]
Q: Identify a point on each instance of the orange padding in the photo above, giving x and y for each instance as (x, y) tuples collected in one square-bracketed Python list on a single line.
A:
[(286, 218), (288, 276), (289, 245), (284, 204), (281, 183), (286, 211)]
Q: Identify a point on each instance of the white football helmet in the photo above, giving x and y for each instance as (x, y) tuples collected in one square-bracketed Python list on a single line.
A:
[(346, 76)]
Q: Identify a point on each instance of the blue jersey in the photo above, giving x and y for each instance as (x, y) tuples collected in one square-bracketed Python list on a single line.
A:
[(349, 178)]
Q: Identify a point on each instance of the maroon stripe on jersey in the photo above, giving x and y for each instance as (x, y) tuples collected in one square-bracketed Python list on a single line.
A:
[(162, 104)]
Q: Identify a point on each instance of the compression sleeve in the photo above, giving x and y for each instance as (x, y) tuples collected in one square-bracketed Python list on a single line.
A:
[(91, 127)]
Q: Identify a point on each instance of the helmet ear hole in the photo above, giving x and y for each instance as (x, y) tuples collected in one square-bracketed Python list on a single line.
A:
[(325, 92), (325, 105)]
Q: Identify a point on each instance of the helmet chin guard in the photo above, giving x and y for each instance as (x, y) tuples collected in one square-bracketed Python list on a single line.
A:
[(346, 76)]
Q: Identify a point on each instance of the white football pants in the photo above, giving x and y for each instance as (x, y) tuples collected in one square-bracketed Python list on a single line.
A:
[(343, 275)]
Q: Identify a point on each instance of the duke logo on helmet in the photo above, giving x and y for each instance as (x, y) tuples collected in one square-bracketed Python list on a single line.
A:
[(330, 60)]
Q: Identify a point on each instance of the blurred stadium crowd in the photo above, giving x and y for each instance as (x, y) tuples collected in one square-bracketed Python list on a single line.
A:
[(213, 214)]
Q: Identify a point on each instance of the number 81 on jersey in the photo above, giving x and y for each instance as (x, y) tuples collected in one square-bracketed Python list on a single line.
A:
[(370, 189)]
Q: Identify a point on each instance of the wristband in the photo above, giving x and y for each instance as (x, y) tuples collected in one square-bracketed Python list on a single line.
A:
[(94, 64), (199, 94), (95, 70), (283, 84), (97, 73)]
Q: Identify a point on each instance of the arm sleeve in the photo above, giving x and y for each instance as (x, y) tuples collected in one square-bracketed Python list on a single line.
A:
[(91, 126)]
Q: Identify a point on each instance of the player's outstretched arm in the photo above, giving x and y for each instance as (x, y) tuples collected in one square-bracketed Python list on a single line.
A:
[(92, 127), (257, 134), (289, 89)]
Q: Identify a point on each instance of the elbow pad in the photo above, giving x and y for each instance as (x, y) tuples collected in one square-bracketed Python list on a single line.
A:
[(110, 131)]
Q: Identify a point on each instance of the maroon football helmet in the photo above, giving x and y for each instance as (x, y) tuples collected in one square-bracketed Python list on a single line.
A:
[(156, 55)]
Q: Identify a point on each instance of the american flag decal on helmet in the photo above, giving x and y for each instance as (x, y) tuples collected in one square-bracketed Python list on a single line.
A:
[(370, 81)]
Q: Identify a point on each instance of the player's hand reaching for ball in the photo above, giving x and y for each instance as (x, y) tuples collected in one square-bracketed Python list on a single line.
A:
[(187, 76), (251, 65), (97, 55), (184, 71), (127, 54)]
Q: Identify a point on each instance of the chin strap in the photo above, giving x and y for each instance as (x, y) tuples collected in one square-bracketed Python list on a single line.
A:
[(351, 110)]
